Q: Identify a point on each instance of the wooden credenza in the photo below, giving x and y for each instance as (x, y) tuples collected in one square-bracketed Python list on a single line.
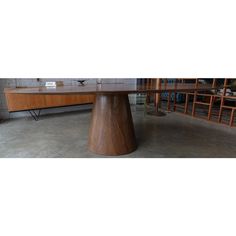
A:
[(24, 102)]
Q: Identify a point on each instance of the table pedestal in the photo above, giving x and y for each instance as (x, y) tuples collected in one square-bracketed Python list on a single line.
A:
[(111, 129)]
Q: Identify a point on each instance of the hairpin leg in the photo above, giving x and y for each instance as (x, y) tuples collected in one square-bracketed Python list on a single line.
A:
[(34, 114)]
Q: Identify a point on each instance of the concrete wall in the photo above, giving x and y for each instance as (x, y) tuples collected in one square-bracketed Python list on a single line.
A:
[(6, 83)]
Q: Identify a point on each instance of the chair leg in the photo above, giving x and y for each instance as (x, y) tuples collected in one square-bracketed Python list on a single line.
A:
[(194, 104), (231, 123), (210, 108), (186, 103), (168, 102), (175, 101), (220, 114)]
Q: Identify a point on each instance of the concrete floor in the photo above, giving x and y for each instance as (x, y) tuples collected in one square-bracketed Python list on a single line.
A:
[(66, 135)]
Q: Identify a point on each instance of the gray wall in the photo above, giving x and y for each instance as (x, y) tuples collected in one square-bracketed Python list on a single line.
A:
[(6, 83)]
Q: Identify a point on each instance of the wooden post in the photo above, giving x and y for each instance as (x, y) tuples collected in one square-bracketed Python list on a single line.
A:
[(158, 95), (176, 82), (195, 98), (222, 100)]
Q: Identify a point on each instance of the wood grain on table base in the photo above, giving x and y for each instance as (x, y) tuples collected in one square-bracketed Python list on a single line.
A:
[(112, 130)]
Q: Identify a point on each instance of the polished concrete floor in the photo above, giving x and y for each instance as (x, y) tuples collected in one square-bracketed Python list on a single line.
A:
[(65, 135)]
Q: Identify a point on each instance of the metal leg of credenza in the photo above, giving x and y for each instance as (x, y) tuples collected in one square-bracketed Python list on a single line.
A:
[(34, 114)]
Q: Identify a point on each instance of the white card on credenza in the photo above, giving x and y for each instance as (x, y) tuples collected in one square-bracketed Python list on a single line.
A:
[(51, 84)]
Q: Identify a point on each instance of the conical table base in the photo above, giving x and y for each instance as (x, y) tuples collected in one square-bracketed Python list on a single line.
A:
[(112, 130)]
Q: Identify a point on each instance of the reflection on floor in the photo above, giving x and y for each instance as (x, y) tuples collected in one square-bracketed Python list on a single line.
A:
[(66, 135)]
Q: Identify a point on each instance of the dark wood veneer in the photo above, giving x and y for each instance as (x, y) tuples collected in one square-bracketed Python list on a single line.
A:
[(112, 130)]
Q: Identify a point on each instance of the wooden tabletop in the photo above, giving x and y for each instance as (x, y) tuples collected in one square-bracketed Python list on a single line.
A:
[(110, 88)]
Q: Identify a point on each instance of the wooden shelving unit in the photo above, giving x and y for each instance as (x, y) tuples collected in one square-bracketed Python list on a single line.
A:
[(212, 104), (208, 100), (224, 98), (186, 95)]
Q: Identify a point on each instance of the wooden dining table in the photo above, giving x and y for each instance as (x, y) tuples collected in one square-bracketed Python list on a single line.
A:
[(111, 129)]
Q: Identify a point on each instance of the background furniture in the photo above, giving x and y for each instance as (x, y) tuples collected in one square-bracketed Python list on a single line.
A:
[(215, 105), (33, 102)]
